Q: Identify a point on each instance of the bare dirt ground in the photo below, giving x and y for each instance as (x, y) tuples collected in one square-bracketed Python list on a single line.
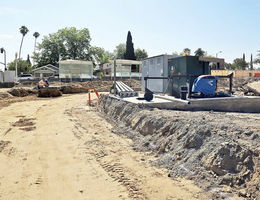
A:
[(60, 148)]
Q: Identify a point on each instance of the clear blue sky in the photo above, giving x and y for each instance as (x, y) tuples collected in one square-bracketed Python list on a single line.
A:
[(159, 26)]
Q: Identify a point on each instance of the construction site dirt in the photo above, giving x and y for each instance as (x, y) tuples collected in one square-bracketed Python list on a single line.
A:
[(62, 148)]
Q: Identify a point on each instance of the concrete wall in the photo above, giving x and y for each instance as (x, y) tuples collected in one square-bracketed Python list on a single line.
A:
[(237, 73), (1, 77), (9, 76)]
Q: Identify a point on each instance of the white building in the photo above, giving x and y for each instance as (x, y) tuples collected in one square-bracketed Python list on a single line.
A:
[(124, 68), (75, 69), (45, 71)]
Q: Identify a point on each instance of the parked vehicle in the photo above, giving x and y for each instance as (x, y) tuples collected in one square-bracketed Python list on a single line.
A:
[(25, 77)]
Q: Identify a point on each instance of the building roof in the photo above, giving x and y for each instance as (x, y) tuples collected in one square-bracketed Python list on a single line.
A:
[(212, 59), (171, 56), (124, 61), (49, 66), (75, 62)]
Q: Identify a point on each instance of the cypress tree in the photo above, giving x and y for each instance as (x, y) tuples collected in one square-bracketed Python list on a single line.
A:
[(251, 62), (244, 57), (130, 52)]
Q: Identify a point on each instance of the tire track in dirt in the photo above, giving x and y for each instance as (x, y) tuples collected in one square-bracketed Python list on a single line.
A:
[(106, 148)]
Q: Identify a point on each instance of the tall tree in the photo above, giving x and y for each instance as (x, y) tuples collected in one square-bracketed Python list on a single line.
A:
[(130, 52), (140, 54), (257, 60), (99, 55), (244, 57), (28, 60), (120, 51), (36, 35), (199, 52), (251, 62), (239, 63), (23, 30), (24, 66), (67, 43), (186, 51)]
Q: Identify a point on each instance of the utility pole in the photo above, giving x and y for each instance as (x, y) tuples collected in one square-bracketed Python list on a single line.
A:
[(16, 75), (114, 73), (2, 50)]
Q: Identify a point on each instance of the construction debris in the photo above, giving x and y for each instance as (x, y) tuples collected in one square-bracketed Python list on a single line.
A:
[(124, 90), (254, 87)]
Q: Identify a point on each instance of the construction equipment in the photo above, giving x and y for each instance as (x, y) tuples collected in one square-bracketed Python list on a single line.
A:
[(123, 90), (205, 84)]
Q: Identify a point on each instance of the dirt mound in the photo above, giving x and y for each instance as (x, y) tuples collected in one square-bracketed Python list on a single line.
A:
[(254, 87), (19, 92), (193, 146), (70, 89), (49, 92)]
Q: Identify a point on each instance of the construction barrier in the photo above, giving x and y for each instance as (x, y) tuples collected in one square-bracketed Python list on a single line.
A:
[(89, 95)]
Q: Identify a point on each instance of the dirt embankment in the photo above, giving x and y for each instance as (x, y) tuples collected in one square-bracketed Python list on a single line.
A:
[(218, 150), (59, 88)]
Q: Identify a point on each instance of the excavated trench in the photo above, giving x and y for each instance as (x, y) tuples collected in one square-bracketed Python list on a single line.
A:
[(207, 147)]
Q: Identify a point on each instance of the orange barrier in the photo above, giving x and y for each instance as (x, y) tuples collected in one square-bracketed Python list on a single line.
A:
[(89, 96)]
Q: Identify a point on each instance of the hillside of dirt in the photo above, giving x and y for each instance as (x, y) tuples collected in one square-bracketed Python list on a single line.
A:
[(220, 151)]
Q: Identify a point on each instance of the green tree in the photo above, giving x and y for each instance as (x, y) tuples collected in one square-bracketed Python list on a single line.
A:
[(239, 63), (23, 30), (228, 66), (186, 51), (251, 62), (200, 52), (257, 60), (130, 52), (28, 60), (175, 53), (100, 55), (140, 54), (67, 43), (24, 66), (120, 51)]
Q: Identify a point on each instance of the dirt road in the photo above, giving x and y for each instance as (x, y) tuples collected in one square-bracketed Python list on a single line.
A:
[(62, 149)]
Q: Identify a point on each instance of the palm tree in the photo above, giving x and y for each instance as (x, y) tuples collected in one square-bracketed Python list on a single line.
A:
[(36, 35), (23, 30)]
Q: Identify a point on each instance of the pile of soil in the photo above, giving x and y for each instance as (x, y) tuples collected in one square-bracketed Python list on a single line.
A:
[(213, 150), (71, 89), (254, 87), (22, 92), (49, 92)]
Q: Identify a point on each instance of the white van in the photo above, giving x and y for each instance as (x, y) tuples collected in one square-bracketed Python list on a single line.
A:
[(25, 77)]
